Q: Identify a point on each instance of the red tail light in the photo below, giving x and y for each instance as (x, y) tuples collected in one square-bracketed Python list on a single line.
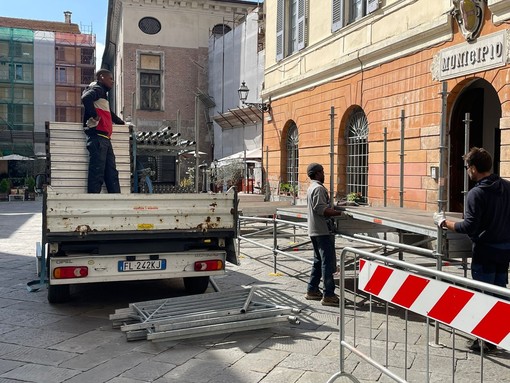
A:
[(216, 264), (68, 272)]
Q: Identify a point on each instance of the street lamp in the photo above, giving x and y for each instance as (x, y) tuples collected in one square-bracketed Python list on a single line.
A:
[(243, 95)]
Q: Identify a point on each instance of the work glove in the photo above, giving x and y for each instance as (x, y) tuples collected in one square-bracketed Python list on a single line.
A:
[(92, 123), (439, 218)]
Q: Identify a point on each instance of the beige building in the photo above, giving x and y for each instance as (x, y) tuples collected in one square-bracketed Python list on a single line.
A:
[(383, 67), (158, 51)]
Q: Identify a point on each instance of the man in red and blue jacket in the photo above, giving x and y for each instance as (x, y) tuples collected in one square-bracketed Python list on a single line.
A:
[(98, 120)]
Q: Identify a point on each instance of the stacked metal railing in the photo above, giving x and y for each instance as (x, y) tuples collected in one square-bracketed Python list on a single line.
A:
[(201, 315)]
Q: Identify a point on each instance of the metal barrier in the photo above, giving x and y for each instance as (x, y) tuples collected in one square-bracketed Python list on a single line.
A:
[(275, 228), (460, 306), (465, 293)]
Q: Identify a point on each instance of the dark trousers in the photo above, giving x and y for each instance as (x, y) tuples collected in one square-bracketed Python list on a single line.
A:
[(324, 264), (102, 167)]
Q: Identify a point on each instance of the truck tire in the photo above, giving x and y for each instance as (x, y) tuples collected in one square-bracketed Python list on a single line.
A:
[(196, 285), (58, 293)]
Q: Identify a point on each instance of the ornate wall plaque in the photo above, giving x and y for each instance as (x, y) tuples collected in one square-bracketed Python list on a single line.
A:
[(469, 15)]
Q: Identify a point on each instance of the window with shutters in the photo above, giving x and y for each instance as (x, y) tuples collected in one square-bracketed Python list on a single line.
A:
[(291, 33), (61, 75), (345, 12)]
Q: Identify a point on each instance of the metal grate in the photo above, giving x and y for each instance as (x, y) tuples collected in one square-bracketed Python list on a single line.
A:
[(149, 25), (357, 153), (201, 315), (292, 155)]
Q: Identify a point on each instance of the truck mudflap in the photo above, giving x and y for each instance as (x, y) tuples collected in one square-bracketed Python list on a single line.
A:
[(91, 268)]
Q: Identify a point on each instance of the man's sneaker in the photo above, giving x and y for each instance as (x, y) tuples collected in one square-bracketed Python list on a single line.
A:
[(487, 347), (313, 296), (330, 301)]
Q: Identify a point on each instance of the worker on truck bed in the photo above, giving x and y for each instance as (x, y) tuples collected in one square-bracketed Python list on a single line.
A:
[(98, 120)]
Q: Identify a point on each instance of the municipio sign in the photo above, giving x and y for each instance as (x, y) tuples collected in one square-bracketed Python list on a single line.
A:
[(485, 53)]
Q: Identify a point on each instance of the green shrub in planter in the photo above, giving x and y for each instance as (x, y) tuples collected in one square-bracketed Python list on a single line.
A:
[(5, 185), (30, 184)]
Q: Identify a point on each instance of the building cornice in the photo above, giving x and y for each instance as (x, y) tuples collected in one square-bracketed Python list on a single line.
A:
[(426, 36), (500, 10), (207, 5)]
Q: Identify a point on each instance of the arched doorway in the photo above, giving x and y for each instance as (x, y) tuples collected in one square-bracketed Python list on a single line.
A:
[(481, 101)]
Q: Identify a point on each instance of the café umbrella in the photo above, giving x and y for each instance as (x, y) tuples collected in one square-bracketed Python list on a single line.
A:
[(15, 157)]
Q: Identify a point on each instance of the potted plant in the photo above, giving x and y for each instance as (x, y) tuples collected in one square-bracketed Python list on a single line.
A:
[(5, 186), (30, 184), (355, 198)]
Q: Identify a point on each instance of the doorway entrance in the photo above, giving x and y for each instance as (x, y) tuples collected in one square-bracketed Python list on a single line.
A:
[(481, 101)]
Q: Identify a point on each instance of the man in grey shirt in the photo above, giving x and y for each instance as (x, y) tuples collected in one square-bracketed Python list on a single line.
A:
[(323, 241)]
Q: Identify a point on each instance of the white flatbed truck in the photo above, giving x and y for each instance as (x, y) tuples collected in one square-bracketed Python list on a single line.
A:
[(89, 238)]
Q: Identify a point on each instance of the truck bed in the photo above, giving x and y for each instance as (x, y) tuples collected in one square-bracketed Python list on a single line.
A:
[(85, 214)]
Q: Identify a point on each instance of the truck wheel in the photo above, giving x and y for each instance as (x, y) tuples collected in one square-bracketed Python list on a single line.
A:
[(196, 285), (58, 293)]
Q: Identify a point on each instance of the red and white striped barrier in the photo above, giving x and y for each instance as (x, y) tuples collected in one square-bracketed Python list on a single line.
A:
[(480, 315)]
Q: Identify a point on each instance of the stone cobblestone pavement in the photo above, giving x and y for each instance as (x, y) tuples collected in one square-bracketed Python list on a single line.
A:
[(75, 342)]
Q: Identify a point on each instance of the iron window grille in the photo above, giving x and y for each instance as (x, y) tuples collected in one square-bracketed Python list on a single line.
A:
[(292, 156), (357, 154)]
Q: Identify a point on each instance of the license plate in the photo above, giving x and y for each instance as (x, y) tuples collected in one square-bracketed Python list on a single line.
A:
[(142, 265)]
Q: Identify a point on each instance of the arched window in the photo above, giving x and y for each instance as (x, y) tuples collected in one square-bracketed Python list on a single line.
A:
[(292, 155), (357, 153), (220, 30)]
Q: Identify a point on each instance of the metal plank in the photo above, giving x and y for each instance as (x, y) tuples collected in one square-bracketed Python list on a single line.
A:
[(252, 324)]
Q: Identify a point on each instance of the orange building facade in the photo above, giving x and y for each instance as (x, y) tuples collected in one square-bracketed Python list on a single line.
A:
[(406, 115)]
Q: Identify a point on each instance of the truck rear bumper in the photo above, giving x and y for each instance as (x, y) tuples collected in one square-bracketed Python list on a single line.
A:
[(91, 268)]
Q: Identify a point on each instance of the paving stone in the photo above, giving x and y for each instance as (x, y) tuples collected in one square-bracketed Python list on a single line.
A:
[(38, 356), (313, 377), (148, 370), (308, 346), (194, 371), (244, 341), (36, 337), (236, 375), (99, 355), (261, 360), (87, 341), (282, 374), (25, 318), (224, 355), (40, 374), (8, 365), (178, 355), (121, 379), (110, 369), (6, 348), (154, 348), (311, 363)]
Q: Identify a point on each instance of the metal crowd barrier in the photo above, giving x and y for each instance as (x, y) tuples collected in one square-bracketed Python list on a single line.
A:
[(274, 228), (462, 308)]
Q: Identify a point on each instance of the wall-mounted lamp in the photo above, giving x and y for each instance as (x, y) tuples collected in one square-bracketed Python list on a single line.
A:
[(243, 95)]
